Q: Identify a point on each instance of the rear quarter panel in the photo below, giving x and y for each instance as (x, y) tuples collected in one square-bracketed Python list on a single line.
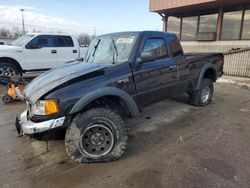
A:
[(198, 61)]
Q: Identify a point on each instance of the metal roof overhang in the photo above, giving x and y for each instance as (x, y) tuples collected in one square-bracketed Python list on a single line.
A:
[(178, 7)]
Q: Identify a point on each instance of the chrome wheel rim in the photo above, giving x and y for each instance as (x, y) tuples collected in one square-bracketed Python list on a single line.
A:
[(97, 140), (205, 94), (6, 71)]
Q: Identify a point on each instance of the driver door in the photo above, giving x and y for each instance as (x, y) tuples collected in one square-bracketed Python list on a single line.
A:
[(155, 79), (40, 53)]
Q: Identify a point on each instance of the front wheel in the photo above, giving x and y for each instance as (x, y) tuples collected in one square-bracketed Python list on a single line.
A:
[(97, 135), (8, 69), (204, 95)]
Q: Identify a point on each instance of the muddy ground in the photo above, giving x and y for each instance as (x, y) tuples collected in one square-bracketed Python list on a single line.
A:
[(172, 144)]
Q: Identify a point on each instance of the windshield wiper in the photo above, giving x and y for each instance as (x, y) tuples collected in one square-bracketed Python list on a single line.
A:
[(96, 46), (116, 51)]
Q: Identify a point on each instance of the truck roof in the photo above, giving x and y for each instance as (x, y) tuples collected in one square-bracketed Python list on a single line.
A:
[(143, 32), (61, 34)]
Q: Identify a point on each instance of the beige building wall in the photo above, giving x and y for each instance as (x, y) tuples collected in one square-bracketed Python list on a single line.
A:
[(237, 52), (156, 5)]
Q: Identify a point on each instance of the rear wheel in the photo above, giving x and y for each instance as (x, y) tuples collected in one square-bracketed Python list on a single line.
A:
[(204, 95), (96, 135), (8, 69)]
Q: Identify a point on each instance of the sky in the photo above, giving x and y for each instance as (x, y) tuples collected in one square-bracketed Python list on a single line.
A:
[(80, 16)]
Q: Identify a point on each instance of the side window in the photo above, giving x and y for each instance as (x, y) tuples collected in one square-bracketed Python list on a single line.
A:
[(156, 45), (69, 41), (42, 41), (176, 49), (63, 41)]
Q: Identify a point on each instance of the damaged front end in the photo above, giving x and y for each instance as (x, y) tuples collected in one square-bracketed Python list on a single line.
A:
[(44, 114), (25, 126)]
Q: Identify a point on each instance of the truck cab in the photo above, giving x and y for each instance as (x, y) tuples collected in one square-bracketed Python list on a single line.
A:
[(38, 52)]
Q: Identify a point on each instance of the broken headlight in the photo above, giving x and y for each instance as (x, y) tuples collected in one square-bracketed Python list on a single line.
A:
[(45, 107)]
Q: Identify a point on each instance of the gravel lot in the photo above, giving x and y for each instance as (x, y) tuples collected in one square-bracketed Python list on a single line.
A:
[(172, 144)]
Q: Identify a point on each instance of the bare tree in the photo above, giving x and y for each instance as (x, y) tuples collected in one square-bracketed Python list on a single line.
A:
[(4, 32), (36, 31), (84, 39), (16, 32)]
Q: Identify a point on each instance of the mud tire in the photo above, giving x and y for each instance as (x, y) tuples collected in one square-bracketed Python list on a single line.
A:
[(73, 137)]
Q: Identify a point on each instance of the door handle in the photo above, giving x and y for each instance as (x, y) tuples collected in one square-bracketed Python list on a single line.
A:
[(53, 51), (74, 51), (172, 67)]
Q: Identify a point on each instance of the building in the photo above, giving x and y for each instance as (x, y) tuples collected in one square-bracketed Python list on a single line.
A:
[(6, 40), (210, 26)]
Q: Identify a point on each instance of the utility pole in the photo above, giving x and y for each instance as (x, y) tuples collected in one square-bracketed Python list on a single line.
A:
[(94, 31), (23, 20)]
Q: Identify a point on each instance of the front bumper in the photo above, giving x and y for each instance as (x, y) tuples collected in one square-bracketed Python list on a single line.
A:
[(26, 126)]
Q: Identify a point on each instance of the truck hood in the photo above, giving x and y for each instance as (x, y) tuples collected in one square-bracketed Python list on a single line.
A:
[(57, 76), (9, 48)]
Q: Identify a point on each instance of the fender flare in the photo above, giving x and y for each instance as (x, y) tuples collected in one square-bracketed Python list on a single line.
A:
[(203, 71), (12, 61), (107, 91)]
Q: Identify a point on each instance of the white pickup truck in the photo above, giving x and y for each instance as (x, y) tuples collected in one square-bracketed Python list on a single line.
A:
[(38, 52)]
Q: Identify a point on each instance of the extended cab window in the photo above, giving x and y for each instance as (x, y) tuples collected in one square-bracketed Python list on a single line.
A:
[(176, 49), (42, 41), (63, 41), (156, 45)]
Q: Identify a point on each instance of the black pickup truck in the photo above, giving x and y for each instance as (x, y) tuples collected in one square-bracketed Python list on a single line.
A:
[(122, 73)]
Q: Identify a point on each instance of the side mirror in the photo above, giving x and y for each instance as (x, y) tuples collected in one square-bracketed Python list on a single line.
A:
[(33, 46), (79, 59), (148, 56)]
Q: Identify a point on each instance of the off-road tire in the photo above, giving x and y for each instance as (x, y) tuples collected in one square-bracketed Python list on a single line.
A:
[(195, 98), (81, 123), (11, 66)]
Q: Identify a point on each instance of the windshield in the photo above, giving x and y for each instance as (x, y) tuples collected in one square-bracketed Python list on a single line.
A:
[(20, 41), (111, 49)]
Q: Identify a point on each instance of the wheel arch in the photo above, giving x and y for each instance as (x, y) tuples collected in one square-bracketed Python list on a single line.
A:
[(12, 61), (208, 71), (109, 92)]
